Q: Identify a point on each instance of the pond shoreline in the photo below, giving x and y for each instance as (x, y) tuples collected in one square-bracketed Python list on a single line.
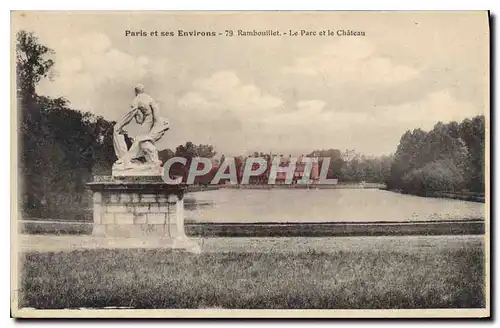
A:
[(464, 195), (306, 186), (284, 229)]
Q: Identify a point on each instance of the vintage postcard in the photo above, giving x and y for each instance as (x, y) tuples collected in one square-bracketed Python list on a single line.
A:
[(250, 164)]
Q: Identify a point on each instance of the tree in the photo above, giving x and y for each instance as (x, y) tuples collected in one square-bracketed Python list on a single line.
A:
[(408, 156), (449, 157), (472, 132), (165, 154), (441, 175), (190, 151), (60, 148), (336, 161), (32, 64)]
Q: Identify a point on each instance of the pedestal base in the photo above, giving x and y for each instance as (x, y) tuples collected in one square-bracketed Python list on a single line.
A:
[(140, 208), (184, 243), (137, 170)]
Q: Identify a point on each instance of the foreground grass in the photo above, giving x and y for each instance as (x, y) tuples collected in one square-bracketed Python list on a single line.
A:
[(165, 279)]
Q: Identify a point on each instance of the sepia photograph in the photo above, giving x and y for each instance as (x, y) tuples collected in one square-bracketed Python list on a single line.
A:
[(217, 164)]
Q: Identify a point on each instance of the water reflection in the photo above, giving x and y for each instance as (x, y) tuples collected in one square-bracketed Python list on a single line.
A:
[(322, 205)]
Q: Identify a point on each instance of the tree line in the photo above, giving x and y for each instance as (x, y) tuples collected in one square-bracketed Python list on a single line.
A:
[(450, 157)]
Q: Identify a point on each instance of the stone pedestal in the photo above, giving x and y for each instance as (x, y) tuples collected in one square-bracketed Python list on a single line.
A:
[(140, 208)]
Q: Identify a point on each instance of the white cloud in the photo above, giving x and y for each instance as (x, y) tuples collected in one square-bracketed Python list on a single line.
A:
[(435, 107), (88, 66), (311, 105), (351, 60), (314, 124), (306, 112), (314, 114), (223, 92)]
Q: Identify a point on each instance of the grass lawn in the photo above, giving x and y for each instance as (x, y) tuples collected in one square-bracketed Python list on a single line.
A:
[(151, 278)]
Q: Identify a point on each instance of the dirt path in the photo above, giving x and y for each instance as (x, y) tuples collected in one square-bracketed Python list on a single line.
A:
[(52, 243)]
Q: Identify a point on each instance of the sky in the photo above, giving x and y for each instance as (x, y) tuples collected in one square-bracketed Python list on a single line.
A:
[(280, 94)]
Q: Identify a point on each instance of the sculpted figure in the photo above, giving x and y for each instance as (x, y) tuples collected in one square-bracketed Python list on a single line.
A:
[(143, 154)]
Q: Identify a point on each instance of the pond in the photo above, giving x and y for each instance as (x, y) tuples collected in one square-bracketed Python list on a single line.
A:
[(322, 205)]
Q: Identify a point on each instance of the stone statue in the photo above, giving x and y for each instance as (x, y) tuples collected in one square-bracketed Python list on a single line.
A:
[(142, 157)]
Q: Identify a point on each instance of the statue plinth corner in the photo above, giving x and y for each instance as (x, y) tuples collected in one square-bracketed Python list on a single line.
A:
[(140, 207)]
